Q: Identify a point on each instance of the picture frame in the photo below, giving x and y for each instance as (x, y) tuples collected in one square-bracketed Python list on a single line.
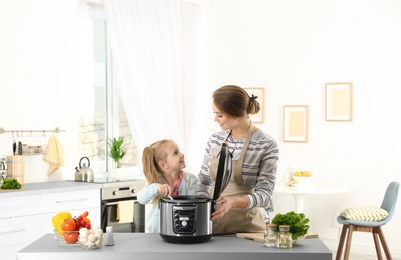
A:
[(296, 124), (260, 93), (339, 101)]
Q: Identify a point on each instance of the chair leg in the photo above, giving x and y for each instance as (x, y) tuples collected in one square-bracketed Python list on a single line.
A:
[(377, 244), (377, 234), (341, 243), (384, 243), (351, 229)]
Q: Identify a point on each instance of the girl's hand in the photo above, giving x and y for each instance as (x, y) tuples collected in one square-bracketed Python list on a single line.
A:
[(223, 205), (164, 189)]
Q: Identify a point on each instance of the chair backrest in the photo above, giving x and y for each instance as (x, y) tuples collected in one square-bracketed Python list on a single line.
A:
[(390, 199)]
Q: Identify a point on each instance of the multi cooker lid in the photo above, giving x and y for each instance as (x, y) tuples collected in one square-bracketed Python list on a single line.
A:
[(223, 171), (184, 199)]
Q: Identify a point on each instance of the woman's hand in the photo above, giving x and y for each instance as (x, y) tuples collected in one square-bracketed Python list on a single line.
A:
[(164, 189), (223, 205)]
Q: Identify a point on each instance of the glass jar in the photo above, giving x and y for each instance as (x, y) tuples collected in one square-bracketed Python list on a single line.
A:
[(284, 237), (271, 235)]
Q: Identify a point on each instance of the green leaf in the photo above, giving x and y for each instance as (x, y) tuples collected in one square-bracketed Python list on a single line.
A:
[(10, 183)]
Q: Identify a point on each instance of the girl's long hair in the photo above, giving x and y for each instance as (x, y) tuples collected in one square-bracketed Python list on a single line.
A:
[(151, 157)]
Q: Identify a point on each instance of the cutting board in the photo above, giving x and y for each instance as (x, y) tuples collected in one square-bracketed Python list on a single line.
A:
[(259, 237), (10, 190)]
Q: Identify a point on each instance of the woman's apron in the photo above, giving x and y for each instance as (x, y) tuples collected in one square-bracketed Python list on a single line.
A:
[(237, 220)]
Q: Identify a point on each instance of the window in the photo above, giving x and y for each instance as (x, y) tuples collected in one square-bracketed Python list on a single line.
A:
[(102, 112)]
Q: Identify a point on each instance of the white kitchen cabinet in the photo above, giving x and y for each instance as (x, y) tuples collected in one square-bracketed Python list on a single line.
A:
[(61, 201), (27, 215), (16, 233), (19, 206), (18, 223), (75, 202)]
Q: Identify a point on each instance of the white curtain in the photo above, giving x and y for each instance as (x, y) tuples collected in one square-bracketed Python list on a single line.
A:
[(157, 51)]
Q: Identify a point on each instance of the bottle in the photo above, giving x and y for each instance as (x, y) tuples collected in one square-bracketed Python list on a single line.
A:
[(109, 238), (271, 235), (284, 238)]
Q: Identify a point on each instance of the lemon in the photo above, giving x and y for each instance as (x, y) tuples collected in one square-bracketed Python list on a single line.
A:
[(303, 174)]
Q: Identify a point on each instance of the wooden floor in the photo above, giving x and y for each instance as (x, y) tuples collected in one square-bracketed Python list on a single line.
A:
[(360, 257)]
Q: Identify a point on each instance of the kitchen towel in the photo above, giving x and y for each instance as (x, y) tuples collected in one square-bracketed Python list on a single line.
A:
[(125, 211), (54, 154)]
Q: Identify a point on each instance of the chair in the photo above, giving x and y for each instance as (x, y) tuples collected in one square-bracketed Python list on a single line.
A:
[(374, 227)]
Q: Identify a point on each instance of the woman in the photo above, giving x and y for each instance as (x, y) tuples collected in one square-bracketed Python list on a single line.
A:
[(255, 158)]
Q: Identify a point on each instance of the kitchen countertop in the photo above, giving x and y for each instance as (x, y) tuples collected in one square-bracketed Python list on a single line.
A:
[(48, 187), (150, 246)]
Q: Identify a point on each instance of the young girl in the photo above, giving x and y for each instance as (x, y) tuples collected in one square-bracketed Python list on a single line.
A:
[(162, 165)]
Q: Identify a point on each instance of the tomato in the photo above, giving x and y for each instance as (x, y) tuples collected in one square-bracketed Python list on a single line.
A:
[(88, 226), (71, 237), (68, 225), (83, 223), (77, 225), (87, 220)]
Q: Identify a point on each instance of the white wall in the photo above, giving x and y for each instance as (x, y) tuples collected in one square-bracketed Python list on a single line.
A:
[(37, 79), (292, 48)]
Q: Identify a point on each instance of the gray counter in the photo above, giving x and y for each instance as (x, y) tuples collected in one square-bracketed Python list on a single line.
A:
[(150, 246), (48, 187)]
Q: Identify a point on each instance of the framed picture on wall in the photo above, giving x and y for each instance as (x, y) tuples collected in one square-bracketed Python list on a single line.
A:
[(296, 124), (260, 93), (339, 101)]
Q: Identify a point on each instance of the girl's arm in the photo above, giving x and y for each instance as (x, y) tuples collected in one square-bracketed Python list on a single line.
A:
[(148, 193)]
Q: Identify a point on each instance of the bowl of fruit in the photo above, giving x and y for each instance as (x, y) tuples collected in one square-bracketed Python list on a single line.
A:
[(302, 177), (66, 227)]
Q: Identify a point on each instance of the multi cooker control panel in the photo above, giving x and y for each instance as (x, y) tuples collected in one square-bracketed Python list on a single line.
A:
[(184, 219)]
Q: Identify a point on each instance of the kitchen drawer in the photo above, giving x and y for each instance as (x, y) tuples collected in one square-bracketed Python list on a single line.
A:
[(19, 206), (68, 201), (19, 230)]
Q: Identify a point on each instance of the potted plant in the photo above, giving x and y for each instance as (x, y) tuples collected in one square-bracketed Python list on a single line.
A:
[(117, 150), (297, 221)]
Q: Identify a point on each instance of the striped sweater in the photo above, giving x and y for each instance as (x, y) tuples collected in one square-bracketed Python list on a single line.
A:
[(258, 170)]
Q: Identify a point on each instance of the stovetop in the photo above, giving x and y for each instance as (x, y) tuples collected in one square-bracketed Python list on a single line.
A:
[(114, 179)]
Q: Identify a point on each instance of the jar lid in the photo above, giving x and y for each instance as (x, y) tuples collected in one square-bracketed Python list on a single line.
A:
[(271, 226)]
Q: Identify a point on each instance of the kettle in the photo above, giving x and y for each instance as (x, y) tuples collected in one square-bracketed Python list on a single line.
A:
[(84, 173)]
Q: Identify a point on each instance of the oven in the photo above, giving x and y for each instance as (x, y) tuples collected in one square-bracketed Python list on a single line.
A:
[(120, 208)]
